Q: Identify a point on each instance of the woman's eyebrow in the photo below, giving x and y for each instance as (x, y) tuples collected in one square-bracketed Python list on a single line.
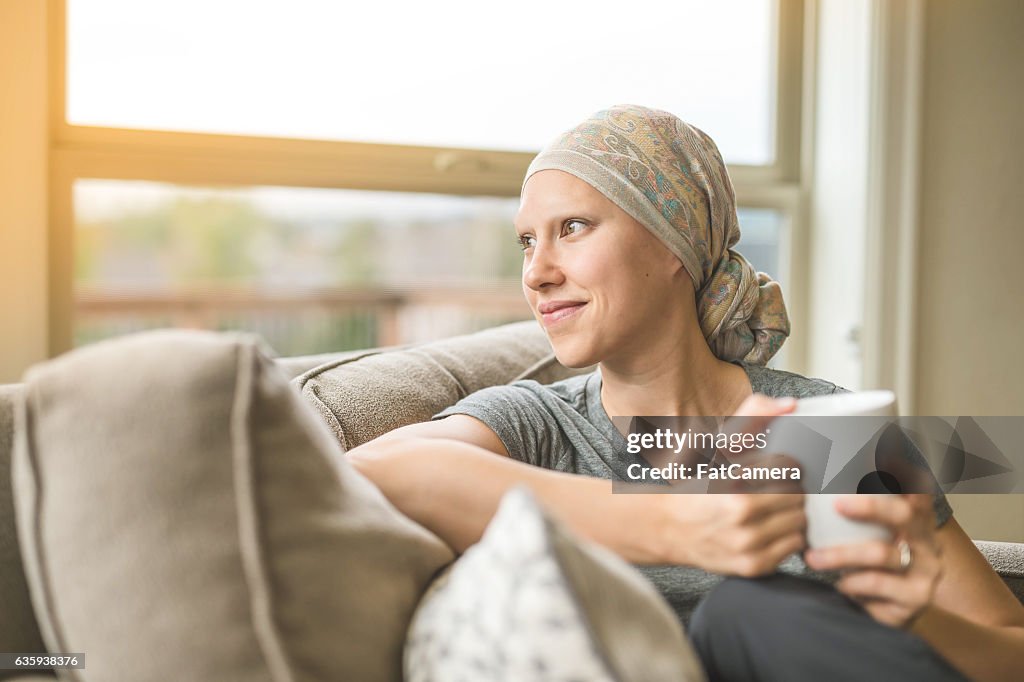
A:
[(560, 219)]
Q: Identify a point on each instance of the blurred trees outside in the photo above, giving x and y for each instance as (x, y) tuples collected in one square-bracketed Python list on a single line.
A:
[(222, 243)]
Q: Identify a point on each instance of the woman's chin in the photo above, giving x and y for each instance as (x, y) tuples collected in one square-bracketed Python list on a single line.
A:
[(573, 356)]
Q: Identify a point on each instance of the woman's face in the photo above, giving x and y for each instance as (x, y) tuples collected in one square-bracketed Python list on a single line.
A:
[(598, 281)]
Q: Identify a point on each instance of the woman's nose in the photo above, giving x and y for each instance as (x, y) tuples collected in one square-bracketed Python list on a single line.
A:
[(542, 268)]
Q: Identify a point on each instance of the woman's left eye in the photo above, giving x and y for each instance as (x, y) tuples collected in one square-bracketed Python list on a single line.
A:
[(573, 226)]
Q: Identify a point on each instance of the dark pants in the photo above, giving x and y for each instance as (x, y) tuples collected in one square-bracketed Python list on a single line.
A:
[(786, 629)]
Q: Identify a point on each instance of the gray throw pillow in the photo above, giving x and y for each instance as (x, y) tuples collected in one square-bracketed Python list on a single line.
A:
[(531, 602), (181, 518), (364, 397)]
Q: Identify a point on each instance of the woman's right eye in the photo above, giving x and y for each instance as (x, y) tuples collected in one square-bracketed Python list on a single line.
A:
[(526, 241), (567, 228)]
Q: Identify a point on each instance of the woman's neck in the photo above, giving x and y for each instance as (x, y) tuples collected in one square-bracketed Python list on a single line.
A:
[(681, 380)]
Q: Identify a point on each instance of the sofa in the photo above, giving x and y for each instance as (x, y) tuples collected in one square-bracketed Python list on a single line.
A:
[(176, 505)]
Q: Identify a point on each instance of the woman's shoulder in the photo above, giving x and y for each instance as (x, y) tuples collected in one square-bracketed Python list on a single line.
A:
[(530, 391), (572, 390), (777, 383), (571, 385)]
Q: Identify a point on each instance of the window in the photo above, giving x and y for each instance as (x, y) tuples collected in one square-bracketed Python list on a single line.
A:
[(312, 270), (336, 175), (438, 74)]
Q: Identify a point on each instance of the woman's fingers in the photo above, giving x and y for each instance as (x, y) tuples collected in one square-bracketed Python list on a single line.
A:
[(781, 524), (760, 406), (873, 554), (766, 559), (870, 584), (886, 612), (760, 470), (901, 513), (784, 546), (757, 535), (760, 544), (748, 507), (756, 413), (908, 594)]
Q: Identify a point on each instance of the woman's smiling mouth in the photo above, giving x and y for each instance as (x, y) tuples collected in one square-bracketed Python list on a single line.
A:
[(556, 311)]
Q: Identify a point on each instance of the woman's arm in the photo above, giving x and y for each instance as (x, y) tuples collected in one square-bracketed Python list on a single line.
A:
[(453, 488), (974, 620), (449, 476)]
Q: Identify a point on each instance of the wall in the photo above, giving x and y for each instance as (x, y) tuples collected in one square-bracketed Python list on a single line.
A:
[(23, 180), (971, 285)]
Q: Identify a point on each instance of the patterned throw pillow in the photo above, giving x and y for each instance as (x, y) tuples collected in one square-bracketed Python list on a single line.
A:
[(531, 602)]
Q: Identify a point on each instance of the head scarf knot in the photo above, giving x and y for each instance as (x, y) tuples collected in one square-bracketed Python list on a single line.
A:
[(670, 177)]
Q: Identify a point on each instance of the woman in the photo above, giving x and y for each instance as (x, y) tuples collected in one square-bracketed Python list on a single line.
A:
[(627, 224)]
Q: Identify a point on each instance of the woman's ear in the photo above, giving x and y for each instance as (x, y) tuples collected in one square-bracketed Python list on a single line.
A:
[(680, 273), (668, 260)]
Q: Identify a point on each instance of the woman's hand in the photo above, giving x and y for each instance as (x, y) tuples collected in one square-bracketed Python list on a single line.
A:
[(894, 581), (747, 529), (734, 534)]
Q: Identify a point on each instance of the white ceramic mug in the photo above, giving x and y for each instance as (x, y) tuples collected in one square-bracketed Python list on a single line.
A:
[(860, 404), (825, 525)]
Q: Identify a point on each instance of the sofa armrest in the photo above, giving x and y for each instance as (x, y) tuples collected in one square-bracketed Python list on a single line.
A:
[(1008, 560)]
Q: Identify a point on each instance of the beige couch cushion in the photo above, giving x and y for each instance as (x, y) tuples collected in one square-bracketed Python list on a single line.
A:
[(532, 602), (181, 518), (300, 364), (364, 397), (19, 631)]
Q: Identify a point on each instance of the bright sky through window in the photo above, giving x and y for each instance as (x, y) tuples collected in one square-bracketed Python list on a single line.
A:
[(447, 73)]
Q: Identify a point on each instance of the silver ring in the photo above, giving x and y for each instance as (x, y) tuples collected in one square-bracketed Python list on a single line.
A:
[(906, 558)]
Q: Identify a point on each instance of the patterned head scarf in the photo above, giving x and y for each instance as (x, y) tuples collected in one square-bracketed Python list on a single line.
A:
[(670, 177)]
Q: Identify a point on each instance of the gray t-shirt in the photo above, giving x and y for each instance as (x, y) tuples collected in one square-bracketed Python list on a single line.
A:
[(563, 426)]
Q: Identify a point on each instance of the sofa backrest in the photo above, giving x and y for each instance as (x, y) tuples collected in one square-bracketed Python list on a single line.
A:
[(364, 396)]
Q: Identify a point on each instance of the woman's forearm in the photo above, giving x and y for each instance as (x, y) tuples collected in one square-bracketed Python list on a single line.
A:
[(982, 652), (453, 488)]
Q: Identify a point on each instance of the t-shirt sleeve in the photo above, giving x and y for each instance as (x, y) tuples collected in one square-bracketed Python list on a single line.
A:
[(943, 512), (940, 504), (519, 418)]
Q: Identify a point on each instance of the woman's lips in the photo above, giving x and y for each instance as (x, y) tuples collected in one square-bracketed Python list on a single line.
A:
[(561, 313)]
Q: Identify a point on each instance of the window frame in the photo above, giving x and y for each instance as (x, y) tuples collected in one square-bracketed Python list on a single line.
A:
[(200, 159)]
